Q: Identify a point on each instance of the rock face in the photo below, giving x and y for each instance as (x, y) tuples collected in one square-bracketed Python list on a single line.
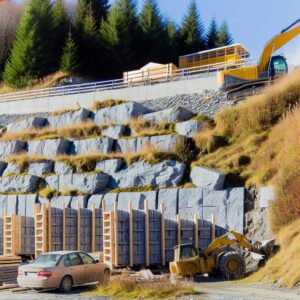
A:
[(167, 173), (93, 145), (266, 195), (69, 118), (207, 178), (11, 148), (41, 168), (25, 184), (26, 124), (85, 183), (169, 115), (3, 166), (49, 148), (160, 142), (115, 131), (62, 168), (109, 166), (11, 169), (120, 114), (189, 128)]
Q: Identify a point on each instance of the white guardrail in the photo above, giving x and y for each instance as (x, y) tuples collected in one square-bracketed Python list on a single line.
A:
[(179, 74)]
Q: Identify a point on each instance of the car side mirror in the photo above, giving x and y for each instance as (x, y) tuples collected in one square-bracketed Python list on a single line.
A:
[(96, 261)]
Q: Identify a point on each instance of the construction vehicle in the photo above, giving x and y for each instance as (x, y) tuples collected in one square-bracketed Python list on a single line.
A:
[(220, 257), (240, 81)]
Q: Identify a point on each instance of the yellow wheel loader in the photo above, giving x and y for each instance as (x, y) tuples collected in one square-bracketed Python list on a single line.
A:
[(220, 257), (242, 81)]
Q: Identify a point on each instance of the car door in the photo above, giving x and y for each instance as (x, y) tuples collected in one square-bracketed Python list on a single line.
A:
[(90, 267), (75, 267)]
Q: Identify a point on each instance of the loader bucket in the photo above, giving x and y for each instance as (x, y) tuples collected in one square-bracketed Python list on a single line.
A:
[(268, 248)]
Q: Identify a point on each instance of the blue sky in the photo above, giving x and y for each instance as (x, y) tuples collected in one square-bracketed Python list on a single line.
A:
[(252, 22)]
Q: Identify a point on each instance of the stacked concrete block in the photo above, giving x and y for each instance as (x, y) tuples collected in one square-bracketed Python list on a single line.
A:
[(56, 229), (171, 234), (154, 237), (26, 124), (80, 201), (138, 231), (19, 183), (137, 200), (110, 199), (120, 114), (205, 233), (85, 230), (98, 230), (175, 114), (115, 131), (27, 236), (95, 200), (187, 234), (190, 202), (71, 229), (123, 238), (59, 201), (40, 169), (207, 178), (63, 168), (137, 144), (11, 148), (169, 199), (69, 118), (109, 166), (189, 128), (26, 205), (50, 148), (94, 145)]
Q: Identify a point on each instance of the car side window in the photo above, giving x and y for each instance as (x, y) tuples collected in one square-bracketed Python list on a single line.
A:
[(67, 261), (75, 259), (86, 258)]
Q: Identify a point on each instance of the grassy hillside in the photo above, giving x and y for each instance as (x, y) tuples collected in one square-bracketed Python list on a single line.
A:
[(257, 142)]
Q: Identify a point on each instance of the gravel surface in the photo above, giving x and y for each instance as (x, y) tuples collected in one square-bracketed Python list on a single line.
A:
[(6, 119), (206, 103)]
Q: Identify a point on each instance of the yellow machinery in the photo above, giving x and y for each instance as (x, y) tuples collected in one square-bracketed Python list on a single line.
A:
[(240, 81), (219, 257)]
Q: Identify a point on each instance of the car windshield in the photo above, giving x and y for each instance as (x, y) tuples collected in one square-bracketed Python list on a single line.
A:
[(48, 259)]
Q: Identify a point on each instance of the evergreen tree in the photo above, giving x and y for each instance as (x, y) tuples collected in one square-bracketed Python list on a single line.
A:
[(70, 60), (153, 34), (119, 33), (32, 51), (100, 10), (172, 43), (192, 31), (212, 35), (61, 28), (224, 36)]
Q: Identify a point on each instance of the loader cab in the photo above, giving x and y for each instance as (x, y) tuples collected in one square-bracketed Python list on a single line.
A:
[(185, 251), (278, 66)]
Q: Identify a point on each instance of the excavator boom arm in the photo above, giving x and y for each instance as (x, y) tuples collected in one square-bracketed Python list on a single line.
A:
[(276, 43)]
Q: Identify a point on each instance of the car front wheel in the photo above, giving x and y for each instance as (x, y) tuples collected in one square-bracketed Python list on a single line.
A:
[(66, 284)]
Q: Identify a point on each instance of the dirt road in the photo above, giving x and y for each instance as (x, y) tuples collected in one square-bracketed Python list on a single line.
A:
[(207, 291)]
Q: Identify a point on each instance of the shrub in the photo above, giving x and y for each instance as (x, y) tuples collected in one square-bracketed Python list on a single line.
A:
[(185, 149)]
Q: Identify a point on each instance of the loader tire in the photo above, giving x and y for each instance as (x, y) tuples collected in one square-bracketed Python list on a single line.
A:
[(232, 266)]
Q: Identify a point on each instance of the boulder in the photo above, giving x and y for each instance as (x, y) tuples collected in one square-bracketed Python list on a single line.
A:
[(79, 200), (207, 178), (169, 199), (69, 118), (160, 142), (26, 124), (24, 184), (109, 166), (3, 166), (59, 201), (190, 202), (12, 169), (62, 168), (49, 148), (26, 204), (137, 200), (170, 115), (93, 145), (85, 183), (95, 200), (166, 173), (40, 168), (266, 195), (115, 131), (11, 148), (189, 128), (120, 114)]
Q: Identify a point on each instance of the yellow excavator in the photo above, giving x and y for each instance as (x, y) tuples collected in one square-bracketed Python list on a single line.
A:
[(221, 257), (241, 81)]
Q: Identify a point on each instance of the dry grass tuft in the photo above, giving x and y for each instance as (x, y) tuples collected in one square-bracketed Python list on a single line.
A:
[(129, 290), (106, 103), (49, 193), (63, 111), (23, 160), (283, 268)]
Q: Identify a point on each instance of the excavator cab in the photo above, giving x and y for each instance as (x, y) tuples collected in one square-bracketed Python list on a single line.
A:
[(278, 67)]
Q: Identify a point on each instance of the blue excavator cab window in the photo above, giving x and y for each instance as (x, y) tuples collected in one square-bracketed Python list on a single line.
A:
[(278, 66)]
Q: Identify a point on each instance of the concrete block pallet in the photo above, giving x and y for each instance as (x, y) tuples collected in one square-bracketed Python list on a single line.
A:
[(9, 268)]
